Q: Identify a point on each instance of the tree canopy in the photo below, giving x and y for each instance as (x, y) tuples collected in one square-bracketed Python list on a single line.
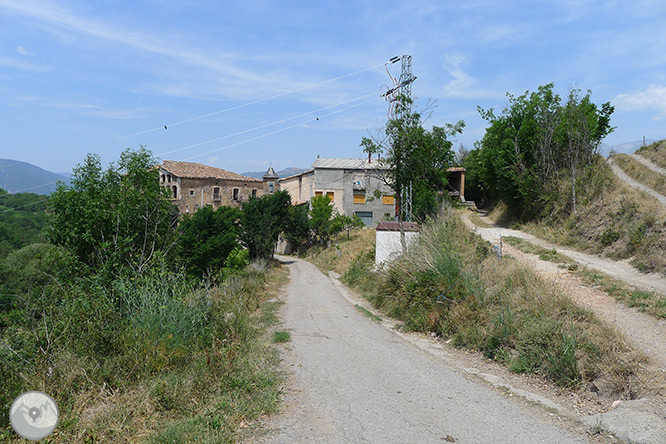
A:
[(116, 217), (416, 158), (535, 144)]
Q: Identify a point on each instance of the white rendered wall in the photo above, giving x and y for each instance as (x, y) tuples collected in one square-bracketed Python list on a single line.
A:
[(388, 244)]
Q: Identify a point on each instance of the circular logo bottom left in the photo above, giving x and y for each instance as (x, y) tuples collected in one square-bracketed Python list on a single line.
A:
[(34, 415)]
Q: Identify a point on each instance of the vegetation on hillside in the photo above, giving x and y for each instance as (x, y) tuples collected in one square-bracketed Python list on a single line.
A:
[(539, 155), (22, 220), (140, 328), (656, 152), (452, 284), (641, 173)]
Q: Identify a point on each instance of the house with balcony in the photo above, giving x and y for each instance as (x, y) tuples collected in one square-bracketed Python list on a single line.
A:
[(194, 185)]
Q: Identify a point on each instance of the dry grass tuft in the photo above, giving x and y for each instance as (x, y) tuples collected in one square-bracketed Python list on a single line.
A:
[(326, 259)]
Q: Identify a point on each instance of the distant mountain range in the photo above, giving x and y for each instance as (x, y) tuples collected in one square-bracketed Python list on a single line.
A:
[(19, 177), (626, 147), (282, 173)]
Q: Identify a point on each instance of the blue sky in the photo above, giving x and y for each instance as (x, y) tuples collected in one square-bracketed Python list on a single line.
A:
[(251, 78)]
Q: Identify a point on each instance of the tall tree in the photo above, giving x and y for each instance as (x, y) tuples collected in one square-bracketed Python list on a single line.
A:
[(207, 237), (416, 158), (262, 221), (537, 142), (117, 217)]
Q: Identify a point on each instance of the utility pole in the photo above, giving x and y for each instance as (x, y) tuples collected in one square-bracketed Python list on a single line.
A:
[(405, 90)]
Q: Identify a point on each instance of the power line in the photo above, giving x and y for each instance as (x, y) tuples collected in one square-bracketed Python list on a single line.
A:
[(23, 206), (254, 102), (281, 129), (277, 122)]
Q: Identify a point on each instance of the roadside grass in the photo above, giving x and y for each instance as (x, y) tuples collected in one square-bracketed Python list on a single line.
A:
[(641, 173), (185, 363), (368, 314), (550, 255), (326, 259), (656, 152), (646, 301), (476, 220), (619, 223), (452, 285), (281, 336)]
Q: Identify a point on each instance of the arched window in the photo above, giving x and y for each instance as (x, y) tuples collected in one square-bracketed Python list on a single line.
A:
[(175, 192)]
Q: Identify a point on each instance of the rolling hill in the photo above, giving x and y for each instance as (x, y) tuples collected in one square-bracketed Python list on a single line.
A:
[(17, 176)]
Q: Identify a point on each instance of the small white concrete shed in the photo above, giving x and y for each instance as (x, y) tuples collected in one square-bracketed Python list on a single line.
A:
[(387, 239)]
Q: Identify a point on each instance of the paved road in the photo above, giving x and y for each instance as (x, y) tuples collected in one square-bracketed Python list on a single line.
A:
[(354, 381)]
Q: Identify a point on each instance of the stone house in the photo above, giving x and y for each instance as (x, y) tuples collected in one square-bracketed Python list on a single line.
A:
[(193, 185)]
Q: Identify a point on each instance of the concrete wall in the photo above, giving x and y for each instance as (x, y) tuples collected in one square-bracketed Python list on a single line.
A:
[(372, 203), (300, 188), (388, 245), (330, 181)]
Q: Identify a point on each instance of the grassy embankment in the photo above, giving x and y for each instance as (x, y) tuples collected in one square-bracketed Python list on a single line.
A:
[(172, 362), (641, 173), (619, 222), (646, 301), (656, 152), (452, 285)]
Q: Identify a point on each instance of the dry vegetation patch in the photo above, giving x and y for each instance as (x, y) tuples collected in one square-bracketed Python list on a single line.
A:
[(451, 284), (620, 223), (343, 250), (656, 152), (641, 173)]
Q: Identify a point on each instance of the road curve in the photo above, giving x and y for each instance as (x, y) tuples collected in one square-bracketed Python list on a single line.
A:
[(624, 177), (354, 381)]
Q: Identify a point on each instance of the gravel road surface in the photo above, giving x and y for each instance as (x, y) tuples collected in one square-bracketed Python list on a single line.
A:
[(634, 184), (354, 381)]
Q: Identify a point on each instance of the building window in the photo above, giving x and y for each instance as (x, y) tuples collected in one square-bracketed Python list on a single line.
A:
[(318, 193), (235, 193), (270, 187), (163, 178), (216, 193), (330, 195), (168, 177), (388, 200), (359, 198), (191, 192), (175, 192), (254, 192)]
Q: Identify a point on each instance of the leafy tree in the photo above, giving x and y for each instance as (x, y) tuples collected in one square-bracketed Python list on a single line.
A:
[(114, 218), (342, 222), (535, 143), (416, 158), (207, 237), (262, 221), (321, 212), (297, 231)]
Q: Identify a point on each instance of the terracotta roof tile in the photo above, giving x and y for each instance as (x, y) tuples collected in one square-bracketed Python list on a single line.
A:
[(197, 171)]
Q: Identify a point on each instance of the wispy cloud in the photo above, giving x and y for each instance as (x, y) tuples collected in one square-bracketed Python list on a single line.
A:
[(463, 85), (24, 52), (651, 98), (22, 65), (219, 65)]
